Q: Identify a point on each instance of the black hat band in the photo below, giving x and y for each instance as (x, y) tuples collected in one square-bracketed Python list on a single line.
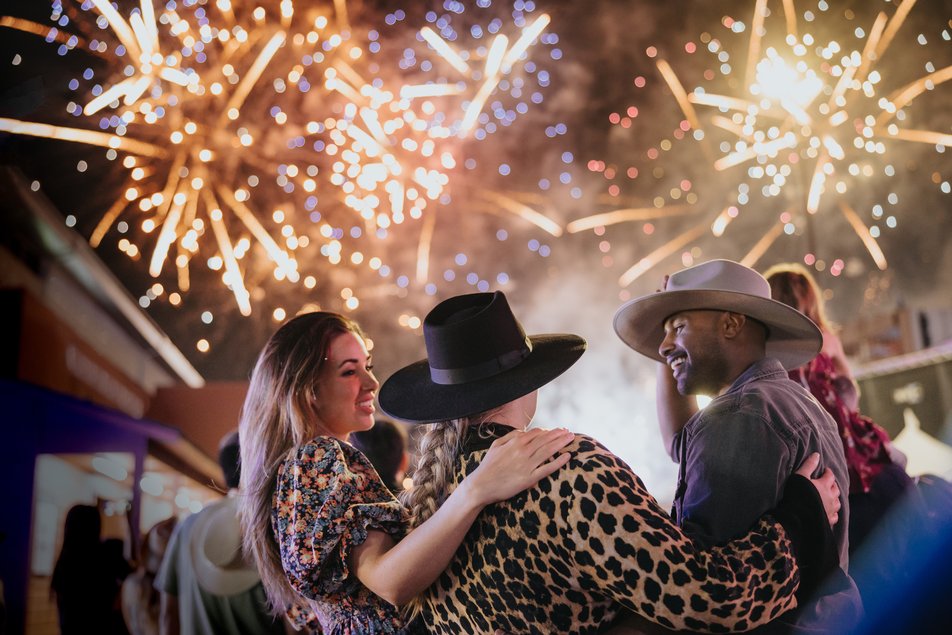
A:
[(488, 368)]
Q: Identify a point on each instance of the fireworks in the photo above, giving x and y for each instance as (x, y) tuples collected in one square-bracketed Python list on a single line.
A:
[(218, 111), (807, 126), (397, 145), (175, 102), (262, 146)]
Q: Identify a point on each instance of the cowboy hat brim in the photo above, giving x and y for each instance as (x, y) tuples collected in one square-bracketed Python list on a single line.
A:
[(215, 544), (792, 338), (411, 395)]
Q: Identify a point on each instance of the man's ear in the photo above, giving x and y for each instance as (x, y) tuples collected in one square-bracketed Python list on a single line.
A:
[(732, 324)]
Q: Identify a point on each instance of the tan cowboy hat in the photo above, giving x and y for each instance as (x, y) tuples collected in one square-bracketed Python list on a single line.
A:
[(216, 550), (721, 285)]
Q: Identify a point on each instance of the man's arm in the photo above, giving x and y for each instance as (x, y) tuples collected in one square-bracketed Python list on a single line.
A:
[(674, 409)]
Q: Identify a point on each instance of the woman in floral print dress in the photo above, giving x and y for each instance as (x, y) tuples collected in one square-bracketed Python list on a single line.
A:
[(876, 467), (322, 526)]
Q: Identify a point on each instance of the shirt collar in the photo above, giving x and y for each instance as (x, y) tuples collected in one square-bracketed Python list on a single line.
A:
[(764, 368)]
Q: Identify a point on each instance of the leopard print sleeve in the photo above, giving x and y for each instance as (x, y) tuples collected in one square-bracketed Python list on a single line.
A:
[(626, 546)]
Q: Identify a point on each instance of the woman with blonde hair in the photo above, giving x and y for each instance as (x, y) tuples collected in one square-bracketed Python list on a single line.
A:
[(324, 530), (587, 544)]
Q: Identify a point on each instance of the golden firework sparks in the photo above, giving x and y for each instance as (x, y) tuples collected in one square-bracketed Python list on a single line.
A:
[(809, 119), (175, 108), (203, 105), (395, 148)]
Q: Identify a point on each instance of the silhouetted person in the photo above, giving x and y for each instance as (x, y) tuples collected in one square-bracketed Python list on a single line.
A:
[(140, 598), (87, 576)]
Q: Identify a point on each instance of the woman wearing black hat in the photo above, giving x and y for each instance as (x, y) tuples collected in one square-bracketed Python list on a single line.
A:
[(321, 524), (572, 554)]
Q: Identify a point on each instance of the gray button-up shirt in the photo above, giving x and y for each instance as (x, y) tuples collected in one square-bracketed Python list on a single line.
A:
[(736, 455)]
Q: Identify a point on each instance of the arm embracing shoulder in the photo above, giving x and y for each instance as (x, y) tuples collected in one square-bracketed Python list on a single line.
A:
[(628, 547)]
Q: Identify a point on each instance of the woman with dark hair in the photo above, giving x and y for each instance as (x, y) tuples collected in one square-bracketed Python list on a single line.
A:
[(325, 531), (877, 472), (588, 543), (385, 445)]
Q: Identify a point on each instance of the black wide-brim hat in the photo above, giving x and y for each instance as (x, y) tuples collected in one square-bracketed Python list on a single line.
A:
[(478, 358)]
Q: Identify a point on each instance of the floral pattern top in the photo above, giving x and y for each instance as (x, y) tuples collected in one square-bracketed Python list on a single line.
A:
[(328, 496), (864, 442)]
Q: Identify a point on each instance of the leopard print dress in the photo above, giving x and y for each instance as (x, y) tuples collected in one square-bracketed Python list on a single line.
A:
[(589, 542)]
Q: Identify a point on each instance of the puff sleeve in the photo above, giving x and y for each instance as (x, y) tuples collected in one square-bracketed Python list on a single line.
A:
[(327, 498)]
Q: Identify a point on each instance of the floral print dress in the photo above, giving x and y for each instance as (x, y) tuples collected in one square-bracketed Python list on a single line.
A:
[(328, 497)]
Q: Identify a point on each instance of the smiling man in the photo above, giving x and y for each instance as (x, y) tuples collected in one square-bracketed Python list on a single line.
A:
[(717, 332)]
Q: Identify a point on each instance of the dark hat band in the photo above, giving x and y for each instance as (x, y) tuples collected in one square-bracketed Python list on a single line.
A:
[(488, 368)]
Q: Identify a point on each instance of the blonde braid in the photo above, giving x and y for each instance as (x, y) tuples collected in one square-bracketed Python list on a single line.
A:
[(438, 452), (434, 470)]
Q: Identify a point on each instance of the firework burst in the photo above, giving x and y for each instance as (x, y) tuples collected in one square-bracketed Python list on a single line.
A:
[(393, 143), (793, 120), (203, 106), (180, 98)]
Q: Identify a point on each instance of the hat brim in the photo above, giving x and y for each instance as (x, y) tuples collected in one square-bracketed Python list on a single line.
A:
[(217, 530), (411, 395), (792, 337)]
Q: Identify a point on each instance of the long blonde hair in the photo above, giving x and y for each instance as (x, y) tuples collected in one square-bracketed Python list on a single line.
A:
[(438, 452), (277, 416), (795, 286)]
